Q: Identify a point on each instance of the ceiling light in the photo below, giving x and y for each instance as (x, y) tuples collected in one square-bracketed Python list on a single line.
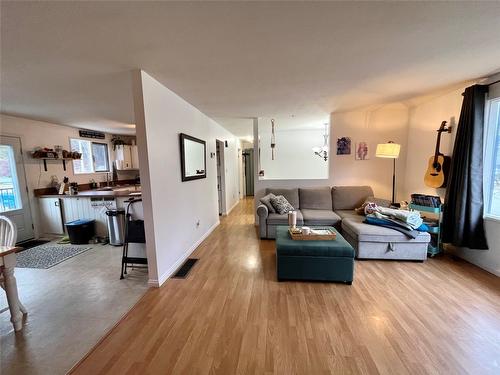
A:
[(322, 152)]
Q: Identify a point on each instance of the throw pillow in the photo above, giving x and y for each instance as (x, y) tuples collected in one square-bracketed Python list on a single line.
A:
[(281, 205), (266, 201), (378, 201)]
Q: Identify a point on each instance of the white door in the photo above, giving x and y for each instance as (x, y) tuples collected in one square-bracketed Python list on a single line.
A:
[(14, 200), (51, 215)]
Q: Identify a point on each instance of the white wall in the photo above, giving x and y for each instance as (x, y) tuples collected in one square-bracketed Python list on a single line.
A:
[(375, 125), (172, 208), (424, 120), (43, 134), (294, 158)]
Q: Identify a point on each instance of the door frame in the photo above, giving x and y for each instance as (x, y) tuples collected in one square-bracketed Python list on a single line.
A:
[(28, 200), (221, 169), (248, 166)]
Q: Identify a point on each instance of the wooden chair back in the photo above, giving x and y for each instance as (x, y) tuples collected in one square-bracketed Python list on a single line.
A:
[(8, 232)]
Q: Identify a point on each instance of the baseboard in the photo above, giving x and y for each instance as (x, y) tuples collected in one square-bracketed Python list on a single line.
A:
[(485, 267), (470, 259), (234, 205), (158, 283)]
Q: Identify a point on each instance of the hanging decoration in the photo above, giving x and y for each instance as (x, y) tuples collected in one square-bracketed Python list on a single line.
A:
[(273, 139), (322, 152)]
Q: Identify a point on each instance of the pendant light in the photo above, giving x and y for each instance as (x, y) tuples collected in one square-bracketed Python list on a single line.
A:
[(273, 139), (322, 152)]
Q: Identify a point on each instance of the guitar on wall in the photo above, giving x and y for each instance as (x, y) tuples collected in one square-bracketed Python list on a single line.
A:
[(439, 164)]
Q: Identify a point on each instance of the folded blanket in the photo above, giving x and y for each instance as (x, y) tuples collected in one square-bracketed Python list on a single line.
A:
[(388, 224), (395, 222), (411, 218)]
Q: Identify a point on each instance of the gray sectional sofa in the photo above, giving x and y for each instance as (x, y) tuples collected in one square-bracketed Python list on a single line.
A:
[(335, 206)]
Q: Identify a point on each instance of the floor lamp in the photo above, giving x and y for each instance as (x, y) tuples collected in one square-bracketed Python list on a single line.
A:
[(390, 150)]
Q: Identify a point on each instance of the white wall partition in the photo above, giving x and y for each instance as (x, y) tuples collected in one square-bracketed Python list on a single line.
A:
[(178, 215)]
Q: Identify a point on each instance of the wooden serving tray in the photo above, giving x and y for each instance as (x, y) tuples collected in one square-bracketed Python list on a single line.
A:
[(314, 236)]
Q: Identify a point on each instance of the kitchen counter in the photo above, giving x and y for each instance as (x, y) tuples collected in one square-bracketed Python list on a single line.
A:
[(56, 210), (118, 192)]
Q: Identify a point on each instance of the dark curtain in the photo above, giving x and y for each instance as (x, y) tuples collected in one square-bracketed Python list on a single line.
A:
[(463, 214)]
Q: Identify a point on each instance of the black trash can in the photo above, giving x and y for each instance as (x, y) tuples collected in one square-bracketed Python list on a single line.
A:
[(80, 231)]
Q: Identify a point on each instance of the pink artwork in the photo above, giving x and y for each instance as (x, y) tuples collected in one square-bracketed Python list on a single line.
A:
[(361, 151)]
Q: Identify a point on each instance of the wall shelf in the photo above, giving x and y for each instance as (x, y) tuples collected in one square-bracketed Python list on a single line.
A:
[(55, 159)]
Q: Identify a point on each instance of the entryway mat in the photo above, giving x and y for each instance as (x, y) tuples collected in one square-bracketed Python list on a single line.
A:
[(31, 243), (47, 256), (185, 268)]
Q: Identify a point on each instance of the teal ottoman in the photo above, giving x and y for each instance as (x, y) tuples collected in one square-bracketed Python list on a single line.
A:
[(313, 260)]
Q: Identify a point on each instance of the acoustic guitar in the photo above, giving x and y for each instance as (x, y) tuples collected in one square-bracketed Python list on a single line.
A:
[(439, 164)]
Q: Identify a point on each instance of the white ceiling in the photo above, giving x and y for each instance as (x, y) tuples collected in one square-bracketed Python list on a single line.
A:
[(240, 127), (70, 62), (243, 127)]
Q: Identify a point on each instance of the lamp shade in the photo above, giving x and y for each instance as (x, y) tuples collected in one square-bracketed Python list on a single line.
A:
[(388, 150)]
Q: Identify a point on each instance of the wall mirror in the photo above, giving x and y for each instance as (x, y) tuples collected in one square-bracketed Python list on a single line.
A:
[(193, 158)]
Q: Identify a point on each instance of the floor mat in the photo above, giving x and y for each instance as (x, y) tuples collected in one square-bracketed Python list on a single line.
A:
[(31, 243), (47, 256)]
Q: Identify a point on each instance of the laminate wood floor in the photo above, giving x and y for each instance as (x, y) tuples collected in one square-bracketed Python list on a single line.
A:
[(231, 316), (70, 307)]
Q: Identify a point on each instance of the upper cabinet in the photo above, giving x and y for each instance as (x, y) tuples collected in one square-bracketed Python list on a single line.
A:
[(127, 157), (135, 156)]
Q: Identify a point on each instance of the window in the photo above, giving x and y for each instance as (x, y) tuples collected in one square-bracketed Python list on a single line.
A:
[(94, 156), (10, 196), (101, 159), (492, 160)]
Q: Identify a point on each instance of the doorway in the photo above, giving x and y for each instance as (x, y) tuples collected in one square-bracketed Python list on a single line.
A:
[(221, 183), (248, 171), (14, 200)]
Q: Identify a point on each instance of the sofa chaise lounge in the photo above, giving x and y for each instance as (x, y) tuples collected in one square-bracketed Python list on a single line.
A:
[(335, 206)]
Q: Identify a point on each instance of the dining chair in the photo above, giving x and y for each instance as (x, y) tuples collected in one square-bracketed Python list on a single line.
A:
[(8, 237)]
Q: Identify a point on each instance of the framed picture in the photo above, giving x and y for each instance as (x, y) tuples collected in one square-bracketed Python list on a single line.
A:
[(344, 146), (361, 152), (193, 158)]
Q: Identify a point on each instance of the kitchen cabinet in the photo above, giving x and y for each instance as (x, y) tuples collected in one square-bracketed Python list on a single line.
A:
[(134, 156), (55, 211), (51, 215), (88, 208), (123, 154)]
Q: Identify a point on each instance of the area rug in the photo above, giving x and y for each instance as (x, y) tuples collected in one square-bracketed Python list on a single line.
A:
[(46, 256), (31, 243)]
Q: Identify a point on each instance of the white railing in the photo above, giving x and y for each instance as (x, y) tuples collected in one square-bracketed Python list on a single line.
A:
[(7, 199)]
